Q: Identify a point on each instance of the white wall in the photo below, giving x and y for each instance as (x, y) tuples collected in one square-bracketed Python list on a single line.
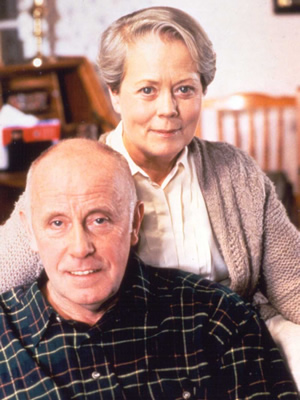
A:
[(257, 50)]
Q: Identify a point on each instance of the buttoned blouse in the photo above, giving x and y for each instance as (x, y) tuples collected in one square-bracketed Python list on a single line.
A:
[(176, 231)]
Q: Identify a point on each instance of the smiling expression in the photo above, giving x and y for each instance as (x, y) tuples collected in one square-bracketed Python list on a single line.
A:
[(159, 99), (82, 230)]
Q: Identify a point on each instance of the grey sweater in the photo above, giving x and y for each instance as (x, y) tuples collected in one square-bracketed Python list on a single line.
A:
[(259, 244)]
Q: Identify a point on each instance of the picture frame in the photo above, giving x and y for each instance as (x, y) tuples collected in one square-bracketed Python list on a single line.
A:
[(286, 6), (11, 48), (8, 9)]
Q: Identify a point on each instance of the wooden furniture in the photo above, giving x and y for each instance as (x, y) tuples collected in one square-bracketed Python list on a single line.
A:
[(263, 125), (252, 105), (11, 186), (66, 88)]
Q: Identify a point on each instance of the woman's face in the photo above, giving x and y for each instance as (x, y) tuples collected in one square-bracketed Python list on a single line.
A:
[(159, 99)]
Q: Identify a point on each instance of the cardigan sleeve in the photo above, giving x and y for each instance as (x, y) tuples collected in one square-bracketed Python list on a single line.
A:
[(18, 263), (259, 244), (281, 257)]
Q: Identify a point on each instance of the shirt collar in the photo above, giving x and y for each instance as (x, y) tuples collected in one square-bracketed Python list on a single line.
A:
[(135, 285), (114, 140), (39, 313)]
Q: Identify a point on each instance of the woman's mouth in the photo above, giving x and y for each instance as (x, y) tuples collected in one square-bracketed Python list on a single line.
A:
[(166, 132)]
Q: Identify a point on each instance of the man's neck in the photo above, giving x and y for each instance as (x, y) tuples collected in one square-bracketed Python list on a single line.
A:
[(87, 314)]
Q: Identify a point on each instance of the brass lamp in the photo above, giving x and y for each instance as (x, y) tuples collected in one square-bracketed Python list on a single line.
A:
[(38, 13)]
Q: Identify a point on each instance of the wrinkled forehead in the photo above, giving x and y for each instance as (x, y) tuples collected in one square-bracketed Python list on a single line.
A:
[(77, 178), (77, 202)]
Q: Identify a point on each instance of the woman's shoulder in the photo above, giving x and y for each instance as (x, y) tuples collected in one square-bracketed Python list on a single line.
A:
[(220, 155), (223, 150)]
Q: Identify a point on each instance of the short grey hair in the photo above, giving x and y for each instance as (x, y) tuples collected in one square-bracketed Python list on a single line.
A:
[(120, 164), (164, 21)]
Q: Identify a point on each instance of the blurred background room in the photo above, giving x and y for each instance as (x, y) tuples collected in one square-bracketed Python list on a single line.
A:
[(48, 53)]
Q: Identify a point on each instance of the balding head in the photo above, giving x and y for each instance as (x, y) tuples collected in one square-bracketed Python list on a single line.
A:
[(81, 159)]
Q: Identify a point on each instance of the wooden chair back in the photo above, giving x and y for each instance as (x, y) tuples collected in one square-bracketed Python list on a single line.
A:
[(263, 125), (248, 106)]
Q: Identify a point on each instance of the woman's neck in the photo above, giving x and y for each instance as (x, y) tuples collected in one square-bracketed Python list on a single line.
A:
[(156, 167), (157, 170)]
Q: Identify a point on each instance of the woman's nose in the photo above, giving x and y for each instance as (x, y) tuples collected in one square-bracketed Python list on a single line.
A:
[(167, 105), (80, 243)]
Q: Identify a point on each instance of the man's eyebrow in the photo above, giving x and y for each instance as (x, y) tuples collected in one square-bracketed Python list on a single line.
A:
[(107, 211), (53, 214), (102, 210)]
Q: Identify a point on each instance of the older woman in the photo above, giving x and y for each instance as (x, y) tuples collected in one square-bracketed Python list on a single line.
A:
[(208, 208)]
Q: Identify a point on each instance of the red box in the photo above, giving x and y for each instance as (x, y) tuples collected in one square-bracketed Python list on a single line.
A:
[(21, 144), (48, 130)]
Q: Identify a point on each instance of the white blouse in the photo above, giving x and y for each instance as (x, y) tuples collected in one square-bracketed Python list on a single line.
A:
[(176, 231)]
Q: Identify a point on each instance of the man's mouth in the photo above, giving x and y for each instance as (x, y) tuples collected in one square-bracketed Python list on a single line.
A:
[(83, 273)]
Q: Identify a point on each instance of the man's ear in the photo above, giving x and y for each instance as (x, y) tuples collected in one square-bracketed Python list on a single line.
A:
[(28, 228), (115, 100), (136, 223)]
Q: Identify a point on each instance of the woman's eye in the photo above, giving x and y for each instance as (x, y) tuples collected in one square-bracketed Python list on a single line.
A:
[(185, 89), (147, 90)]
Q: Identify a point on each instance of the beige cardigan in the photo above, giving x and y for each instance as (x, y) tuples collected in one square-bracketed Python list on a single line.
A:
[(256, 239)]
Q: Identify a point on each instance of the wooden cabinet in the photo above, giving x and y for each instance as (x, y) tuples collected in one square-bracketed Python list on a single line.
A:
[(67, 88)]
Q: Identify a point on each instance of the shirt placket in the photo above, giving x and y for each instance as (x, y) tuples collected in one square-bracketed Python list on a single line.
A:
[(98, 377)]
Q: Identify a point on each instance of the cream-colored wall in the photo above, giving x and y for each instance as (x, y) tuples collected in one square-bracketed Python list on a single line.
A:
[(257, 50)]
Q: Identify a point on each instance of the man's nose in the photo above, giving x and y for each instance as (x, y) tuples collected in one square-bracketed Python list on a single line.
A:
[(167, 104), (80, 243)]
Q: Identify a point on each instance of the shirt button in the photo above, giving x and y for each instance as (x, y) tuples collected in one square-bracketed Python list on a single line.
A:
[(186, 395), (96, 375)]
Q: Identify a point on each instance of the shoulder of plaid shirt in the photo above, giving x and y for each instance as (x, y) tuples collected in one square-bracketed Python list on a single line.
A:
[(169, 335)]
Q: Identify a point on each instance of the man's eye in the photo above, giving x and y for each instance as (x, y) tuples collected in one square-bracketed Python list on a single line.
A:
[(57, 223), (100, 221)]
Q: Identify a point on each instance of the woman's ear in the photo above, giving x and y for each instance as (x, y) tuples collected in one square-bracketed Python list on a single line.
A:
[(115, 100), (136, 223), (27, 226)]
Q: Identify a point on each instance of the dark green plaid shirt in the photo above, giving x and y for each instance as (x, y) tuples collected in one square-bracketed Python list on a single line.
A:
[(169, 336)]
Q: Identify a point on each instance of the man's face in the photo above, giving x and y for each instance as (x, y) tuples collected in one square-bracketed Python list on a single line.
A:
[(81, 227)]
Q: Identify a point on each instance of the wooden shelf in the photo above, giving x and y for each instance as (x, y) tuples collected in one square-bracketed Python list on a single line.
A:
[(72, 89), (15, 180), (66, 88)]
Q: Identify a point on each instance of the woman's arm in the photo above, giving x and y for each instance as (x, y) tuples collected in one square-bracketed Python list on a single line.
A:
[(281, 257), (259, 244), (18, 263)]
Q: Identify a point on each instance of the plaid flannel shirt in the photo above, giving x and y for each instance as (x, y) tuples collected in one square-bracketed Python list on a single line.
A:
[(170, 335)]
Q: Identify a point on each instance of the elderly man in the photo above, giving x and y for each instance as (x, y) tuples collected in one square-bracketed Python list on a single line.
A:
[(98, 323)]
